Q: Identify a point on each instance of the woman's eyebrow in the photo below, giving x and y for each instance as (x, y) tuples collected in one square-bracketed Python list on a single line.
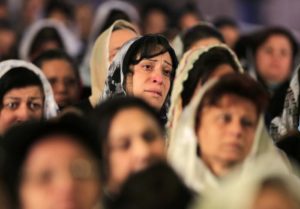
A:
[(155, 60), (19, 98), (168, 63), (37, 97)]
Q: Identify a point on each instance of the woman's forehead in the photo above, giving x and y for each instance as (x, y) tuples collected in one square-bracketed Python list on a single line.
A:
[(227, 100), (165, 56)]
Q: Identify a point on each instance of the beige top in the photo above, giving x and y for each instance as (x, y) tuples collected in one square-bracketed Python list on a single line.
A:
[(241, 194)]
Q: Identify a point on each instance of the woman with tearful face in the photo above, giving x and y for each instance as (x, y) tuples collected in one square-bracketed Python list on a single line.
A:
[(132, 138), (25, 94), (145, 68), (220, 131)]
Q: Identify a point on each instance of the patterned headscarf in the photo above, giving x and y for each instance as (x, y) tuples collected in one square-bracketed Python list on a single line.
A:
[(289, 119), (70, 41), (115, 82)]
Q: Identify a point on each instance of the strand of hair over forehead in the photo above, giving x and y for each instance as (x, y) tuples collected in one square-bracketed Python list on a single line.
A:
[(160, 42)]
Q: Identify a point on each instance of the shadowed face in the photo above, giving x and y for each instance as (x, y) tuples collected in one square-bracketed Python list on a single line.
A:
[(135, 142), (59, 174), (63, 80), (274, 59)]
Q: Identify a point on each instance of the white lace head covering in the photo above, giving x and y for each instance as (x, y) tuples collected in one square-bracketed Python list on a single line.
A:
[(177, 42), (185, 66), (71, 43), (104, 10), (182, 152), (50, 106)]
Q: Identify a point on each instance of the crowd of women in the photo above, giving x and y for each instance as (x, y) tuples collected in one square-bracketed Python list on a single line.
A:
[(142, 114)]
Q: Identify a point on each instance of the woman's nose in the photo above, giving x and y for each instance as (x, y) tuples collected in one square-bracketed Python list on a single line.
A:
[(157, 76), (23, 113), (236, 128), (142, 154), (60, 87), (65, 186)]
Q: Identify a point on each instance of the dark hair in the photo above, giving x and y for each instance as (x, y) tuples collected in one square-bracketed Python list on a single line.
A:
[(189, 8), (203, 68), (240, 85), (290, 144), (122, 27), (147, 47), (18, 77), (54, 54), (18, 142), (200, 32), (104, 114), (44, 35), (224, 21), (262, 36), (155, 187), (5, 24), (155, 5), (114, 15), (59, 5)]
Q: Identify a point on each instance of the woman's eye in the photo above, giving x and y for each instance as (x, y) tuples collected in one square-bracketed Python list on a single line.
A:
[(167, 72), (147, 67), (82, 169), (225, 118), (123, 145), (35, 106), (42, 178), (269, 50), (70, 82), (149, 135), (247, 123), (45, 177), (284, 53), (11, 105)]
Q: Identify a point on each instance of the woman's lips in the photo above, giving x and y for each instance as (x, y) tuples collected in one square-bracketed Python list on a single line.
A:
[(233, 146), (154, 92)]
